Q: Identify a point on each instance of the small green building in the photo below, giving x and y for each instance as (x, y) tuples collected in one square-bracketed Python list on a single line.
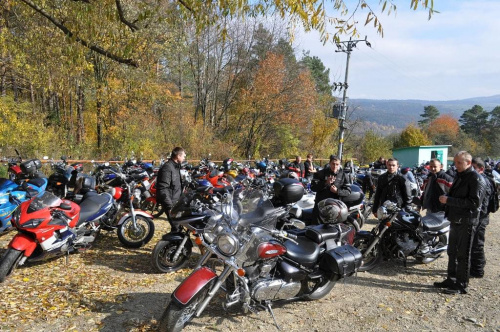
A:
[(416, 155)]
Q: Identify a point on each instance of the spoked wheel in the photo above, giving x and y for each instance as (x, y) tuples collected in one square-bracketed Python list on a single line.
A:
[(177, 315), (135, 236), (153, 208), (164, 252), (373, 258), (316, 290)]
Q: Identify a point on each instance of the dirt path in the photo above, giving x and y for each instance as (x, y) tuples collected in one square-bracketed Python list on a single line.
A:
[(110, 288)]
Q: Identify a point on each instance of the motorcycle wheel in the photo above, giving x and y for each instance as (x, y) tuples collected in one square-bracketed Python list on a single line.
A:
[(164, 252), (177, 315), (324, 288), (155, 209), (368, 263), (142, 234), (9, 263), (443, 240)]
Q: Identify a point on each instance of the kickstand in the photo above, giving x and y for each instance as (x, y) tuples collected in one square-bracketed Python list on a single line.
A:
[(67, 257), (272, 314)]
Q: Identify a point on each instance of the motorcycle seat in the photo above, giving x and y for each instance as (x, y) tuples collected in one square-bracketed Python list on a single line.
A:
[(434, 221), (91, 207), (305, 252), (321, 233)]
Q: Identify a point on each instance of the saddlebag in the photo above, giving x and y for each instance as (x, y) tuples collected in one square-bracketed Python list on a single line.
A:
[(29, 167), (344, 260)]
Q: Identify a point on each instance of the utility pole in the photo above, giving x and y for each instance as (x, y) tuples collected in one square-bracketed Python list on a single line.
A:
[(340, 111)]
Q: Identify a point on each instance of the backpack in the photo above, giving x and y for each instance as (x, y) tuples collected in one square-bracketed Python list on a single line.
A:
[(493, 202)]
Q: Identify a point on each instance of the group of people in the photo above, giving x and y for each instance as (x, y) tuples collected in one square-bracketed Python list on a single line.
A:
[(464, 199)]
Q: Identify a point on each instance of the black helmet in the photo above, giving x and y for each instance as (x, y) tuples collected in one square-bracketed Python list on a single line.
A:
[(332, 210)]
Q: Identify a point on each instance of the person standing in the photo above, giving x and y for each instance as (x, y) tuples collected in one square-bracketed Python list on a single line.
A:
[(330, 182), (169, 183), (463, 204), (438, 183), (477, 258), (393, 187), (297, 166), (309, 169)]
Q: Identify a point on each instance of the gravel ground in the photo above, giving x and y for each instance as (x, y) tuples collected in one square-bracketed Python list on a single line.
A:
[(389, 298)]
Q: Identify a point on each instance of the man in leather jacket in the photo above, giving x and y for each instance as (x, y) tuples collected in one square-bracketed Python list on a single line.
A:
[(393, 187), (169, 184), (463, 205), (478, 259), (330, 182), (438, 183)]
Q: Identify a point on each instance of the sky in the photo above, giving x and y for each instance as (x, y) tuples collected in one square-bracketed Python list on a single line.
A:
[(455, 55)]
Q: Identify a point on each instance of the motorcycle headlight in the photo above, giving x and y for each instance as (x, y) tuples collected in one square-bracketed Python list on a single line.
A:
[(227, 244), (32, 223), (137, 193), (16, 215), (382, 213)]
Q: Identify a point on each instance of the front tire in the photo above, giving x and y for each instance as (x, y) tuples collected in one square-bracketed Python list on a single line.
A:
[(135, 237), (153, 208), (164, 252), (177, 315), (9, 263), (371, 260)]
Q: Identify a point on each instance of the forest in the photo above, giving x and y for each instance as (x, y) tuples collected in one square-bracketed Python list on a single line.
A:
[(122, 78)]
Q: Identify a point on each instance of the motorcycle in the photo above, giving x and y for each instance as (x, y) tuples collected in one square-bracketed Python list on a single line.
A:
[(12, 194), (401, 234), (64, 177), (260, 264), (49, 226)]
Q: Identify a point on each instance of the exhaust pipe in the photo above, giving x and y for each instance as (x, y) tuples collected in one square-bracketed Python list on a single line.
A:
[(437, 251)]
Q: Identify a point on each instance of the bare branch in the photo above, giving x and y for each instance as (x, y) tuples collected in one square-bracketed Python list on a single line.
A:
[(185, 5), (69, 33), (131, 25)]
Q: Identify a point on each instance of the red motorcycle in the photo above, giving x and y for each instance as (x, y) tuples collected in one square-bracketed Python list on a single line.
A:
[(49, 226)]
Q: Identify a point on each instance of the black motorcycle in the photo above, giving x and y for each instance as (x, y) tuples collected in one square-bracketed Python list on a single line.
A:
[(401, 234)]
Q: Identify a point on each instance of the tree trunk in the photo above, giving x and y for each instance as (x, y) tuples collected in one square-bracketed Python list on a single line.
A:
[(79, 114)]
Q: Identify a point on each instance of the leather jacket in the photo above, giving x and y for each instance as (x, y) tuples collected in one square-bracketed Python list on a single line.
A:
[(402, 191), (168, 183), (465, 196), (322, 189)]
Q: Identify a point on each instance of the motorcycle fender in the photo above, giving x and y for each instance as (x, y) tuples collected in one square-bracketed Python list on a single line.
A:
[(363, 235), (137, 213), (198, 279), (23, 243), (173, 237)]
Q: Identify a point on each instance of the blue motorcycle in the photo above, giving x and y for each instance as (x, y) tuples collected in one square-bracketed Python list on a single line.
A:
[(12, 194)]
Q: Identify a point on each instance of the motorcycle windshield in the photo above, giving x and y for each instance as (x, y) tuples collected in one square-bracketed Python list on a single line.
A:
[(44, 200), (254, 209)]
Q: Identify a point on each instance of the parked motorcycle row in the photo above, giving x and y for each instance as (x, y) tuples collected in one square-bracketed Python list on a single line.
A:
[(252, 225)]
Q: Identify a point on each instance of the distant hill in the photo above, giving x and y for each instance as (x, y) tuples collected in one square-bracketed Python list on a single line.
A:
[(398, 114)]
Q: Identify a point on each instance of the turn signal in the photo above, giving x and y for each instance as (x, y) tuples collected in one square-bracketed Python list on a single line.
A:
[(241, 272), (198, 241), (388, 224)]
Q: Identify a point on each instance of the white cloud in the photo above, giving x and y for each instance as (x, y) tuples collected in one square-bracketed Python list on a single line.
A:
[(452, 56)]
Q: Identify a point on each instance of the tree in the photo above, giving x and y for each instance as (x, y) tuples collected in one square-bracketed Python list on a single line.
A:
[(373, 146), (474, 121), (320, 74), (430, 114), (443, 130), (412, 136)]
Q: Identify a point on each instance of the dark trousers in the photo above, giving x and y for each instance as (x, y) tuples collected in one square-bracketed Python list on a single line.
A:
[(459, 249), (174, 228), (477, 258)]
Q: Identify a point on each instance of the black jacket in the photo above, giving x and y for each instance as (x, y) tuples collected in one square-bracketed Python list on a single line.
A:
[(168, 183), (395, 189), (434, 186), (489, 190), (322, 189), (465, 196)]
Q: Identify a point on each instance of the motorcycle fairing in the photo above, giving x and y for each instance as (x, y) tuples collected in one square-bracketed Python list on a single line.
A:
[(193, 284), (23, 243)]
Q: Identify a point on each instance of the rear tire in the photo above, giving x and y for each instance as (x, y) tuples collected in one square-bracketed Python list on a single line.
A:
[(373, 259), (177, 315), (136, 237), (9, 263), (163, 253), (325, 287)]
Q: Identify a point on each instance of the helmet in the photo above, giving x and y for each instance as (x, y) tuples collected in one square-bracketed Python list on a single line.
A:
[(261, 165), (211, 165), (332, 211)]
